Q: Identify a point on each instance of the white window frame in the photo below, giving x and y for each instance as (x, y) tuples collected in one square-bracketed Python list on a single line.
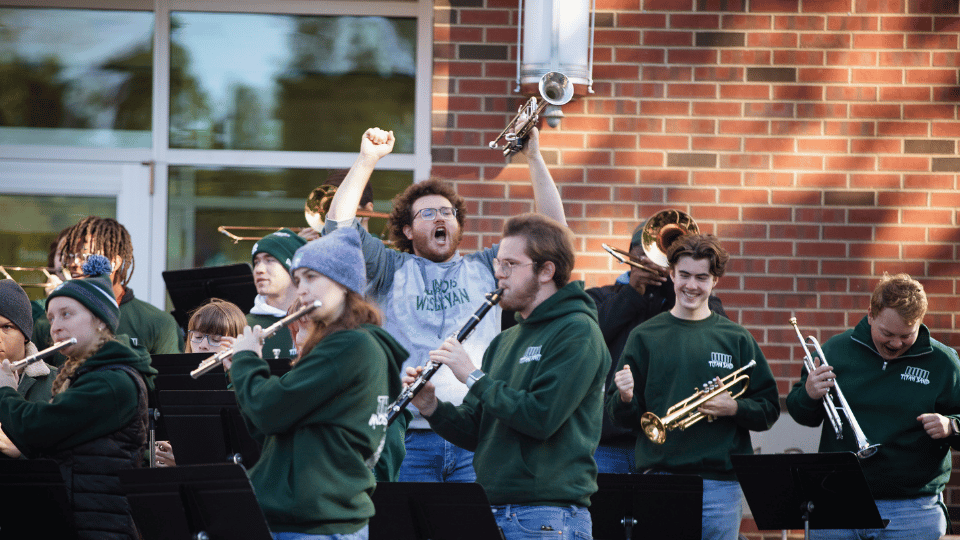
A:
[(160, 157)]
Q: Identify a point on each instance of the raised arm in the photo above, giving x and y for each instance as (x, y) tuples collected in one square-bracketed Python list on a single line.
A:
[(374, 144), (546, 197)]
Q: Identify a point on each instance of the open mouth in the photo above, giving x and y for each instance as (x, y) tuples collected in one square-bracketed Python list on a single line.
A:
[(440, 234)]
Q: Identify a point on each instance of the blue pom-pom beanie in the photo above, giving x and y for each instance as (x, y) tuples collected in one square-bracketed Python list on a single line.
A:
[(94, 291)]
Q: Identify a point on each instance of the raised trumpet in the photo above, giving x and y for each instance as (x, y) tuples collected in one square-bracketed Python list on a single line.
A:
[(685, 414), (864, 448), (556, 89)]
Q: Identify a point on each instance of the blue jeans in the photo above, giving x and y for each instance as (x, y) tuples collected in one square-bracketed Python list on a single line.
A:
[(616, 458), (430, 458), (722, 510), (539, 522), (362, 534), (910, 519)]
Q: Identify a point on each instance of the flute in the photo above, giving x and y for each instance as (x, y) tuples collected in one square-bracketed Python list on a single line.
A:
[(218, 358), (492, 299), (20, 365)]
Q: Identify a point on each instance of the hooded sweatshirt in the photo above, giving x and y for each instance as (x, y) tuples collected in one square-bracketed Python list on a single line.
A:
[(95, 405), (321, 426), (886, 398), (425, 302), (534, 419)]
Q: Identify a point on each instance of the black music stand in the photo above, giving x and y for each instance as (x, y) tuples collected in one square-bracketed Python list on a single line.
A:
[(807, 491), (432, 511), (632, 506), (205, 427), (190, 288), (174, 372), (35, 500), (185, 502)]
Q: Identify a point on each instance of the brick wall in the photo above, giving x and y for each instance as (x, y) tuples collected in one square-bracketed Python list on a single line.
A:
[(818, 139)]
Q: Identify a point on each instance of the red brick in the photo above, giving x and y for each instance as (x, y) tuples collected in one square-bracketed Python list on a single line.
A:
[(901, 233), (888, 163), (746, 161), (611, 176), (903, 198), (692, 91), (639, 159), (745, 91), (847, 163), (653, 38), (772, 40), (715, 178), (851, 58), (723, 74), (586, 157), (776, 6), (933, 77), (874, 111), (850, 129), (801, 22), (848, 233), (878, 76), (851, 93), (699, 195), (893, 129), (830, 41), (822, 249), (904, 93), (875, 181), (876, 146), (929, 181), (798, 58), (451, 172), (648, 125), (926, 217), (696, 21), (821, 180), (639, 55), (769, 144), (878, 41), (880, 6), (667, 5), (798, 162), (724, 144), (853, 23), (485, 16), (796, 93), (745, 127)]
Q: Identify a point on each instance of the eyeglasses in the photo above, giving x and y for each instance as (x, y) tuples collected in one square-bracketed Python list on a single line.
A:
[(505, 268), (428, 214), (197, 338)]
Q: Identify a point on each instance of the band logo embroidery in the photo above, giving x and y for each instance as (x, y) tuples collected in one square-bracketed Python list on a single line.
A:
[(720, 360), (532, 355), (379, 418), (917, 375)]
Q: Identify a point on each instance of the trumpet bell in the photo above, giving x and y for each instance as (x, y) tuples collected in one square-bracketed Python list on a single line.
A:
[(653, 428), (556, 88), (662, 230)]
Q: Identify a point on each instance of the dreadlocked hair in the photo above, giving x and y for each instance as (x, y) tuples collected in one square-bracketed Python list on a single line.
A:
[(73, 363), (356, 311), (107, 237)]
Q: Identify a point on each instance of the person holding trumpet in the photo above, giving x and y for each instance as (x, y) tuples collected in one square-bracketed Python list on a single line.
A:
[(904, 387), (641, 293), (96, 423), (681, 349), (322, 425)]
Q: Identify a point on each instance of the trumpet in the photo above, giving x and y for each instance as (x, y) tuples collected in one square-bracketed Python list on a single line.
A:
[(394, 410), (556, 89), (864, 448), (20, 365), (218, 358), (685, 414), (659, 232)]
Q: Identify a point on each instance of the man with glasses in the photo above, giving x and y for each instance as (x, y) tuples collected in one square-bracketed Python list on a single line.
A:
[(427, 289), (532, 412)]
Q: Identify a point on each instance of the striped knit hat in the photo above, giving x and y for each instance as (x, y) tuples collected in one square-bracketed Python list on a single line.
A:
[(94, 291)]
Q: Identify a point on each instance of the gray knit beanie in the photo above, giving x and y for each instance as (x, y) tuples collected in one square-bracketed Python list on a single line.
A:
[(336, 255), (15, 306)]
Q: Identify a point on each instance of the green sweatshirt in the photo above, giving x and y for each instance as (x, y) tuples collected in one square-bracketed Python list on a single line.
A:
[(96, 404), (318, 425), (670, 358), (886, 398), (534, 419), (282, 341), (149, 326)]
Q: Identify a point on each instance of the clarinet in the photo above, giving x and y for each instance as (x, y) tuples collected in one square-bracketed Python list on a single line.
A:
[(20, 365), (492, 299), (218, 358)]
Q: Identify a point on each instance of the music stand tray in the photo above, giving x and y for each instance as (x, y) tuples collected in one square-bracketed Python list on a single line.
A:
[(632, 506), (35, 503), (182, 502), (807, 491), (205, 427), (432, 511), (192, 287)]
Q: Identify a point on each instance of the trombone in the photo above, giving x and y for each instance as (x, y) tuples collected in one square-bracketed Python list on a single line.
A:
[(556, 89), (659, 233), (685, 414), (46, 272), (864, 448)]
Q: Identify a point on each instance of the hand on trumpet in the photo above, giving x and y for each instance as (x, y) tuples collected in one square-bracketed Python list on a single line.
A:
[(376, 143), (820, 381), (531, 147), (426, 399), (937, 426), (624, 381), (722, 404)]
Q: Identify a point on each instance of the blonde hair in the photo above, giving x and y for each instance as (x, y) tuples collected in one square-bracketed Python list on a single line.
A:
[(902, 294)]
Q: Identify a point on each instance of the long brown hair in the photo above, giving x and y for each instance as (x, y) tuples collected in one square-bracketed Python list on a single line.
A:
[(356, 311)]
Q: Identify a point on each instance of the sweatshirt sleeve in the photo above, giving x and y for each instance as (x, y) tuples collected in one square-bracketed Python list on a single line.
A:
[(459, 424), (627, 415), (759, 407), (276, 404), (97, 404), (571, 360)]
